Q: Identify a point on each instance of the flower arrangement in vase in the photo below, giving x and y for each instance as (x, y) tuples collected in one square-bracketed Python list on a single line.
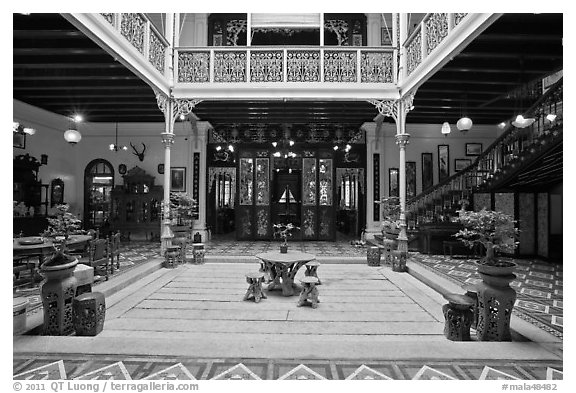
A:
[(283, 231), (494, 230)]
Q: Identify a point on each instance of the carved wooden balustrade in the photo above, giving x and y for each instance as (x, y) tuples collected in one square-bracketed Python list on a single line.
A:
[(513, 148)]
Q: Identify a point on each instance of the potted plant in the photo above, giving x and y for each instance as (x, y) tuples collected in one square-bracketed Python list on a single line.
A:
[(493, 230), (63, 225), (495, 298), (283, 231), (182, 208), (390, 225)]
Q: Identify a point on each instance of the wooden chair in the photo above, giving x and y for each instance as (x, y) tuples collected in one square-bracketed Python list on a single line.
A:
[(98, 256), (115, 250)]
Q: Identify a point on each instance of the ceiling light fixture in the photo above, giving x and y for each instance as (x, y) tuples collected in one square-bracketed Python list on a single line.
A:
[(502, 125), (464, 124), (550, 117), (21, 129), (446, 128), (72, 135), (115, 146)]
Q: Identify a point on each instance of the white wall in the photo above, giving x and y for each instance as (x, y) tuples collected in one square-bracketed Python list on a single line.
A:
[(68, 162), (425, 138)]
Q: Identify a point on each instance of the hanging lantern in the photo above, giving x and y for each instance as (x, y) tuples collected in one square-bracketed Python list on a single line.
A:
[(446, 128), (464, 124), (72, 136)]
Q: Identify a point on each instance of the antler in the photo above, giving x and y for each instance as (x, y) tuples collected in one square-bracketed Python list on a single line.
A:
[(137, 153)]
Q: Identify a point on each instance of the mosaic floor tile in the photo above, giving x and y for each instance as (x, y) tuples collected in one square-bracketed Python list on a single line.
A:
[(302, 372), (238, 372), (175, 372), (429, 373), (492, 374), (53, 370), (366, 373), (116, 371), (552, 374), (534, 288)]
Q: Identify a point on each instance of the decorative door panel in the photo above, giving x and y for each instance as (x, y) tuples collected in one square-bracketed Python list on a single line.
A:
[(318, 199), (263, 229), (253, 210), (326, 225), (309, 197)]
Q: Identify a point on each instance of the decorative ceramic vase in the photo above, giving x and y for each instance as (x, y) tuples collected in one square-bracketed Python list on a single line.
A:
[(57, 291), (495, 302), (283, 248)]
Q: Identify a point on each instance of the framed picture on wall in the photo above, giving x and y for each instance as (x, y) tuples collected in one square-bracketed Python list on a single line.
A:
[(393, 189), (161, 169), (461, 163), (427, 171), (410, 179), (473, 149), (178, 179), (19, 140), (443, 162)]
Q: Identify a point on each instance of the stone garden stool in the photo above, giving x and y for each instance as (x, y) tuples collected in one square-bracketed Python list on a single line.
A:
[(450, 245), (255, 288), (309, 294), (198, 252), (171, 256), (388, 245), (472, 293), (312, 270), (181, 242), (458, 317), (373, 256), (89, 312)]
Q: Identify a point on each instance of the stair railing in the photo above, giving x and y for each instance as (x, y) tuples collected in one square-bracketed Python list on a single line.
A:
[(431, 204)]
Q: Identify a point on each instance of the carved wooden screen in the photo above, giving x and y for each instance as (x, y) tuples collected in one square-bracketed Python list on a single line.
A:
[(318, 199), (253, 210), (245, 199)]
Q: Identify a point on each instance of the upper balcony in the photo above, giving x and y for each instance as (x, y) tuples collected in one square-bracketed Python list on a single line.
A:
[(285, 72), (357, 72)]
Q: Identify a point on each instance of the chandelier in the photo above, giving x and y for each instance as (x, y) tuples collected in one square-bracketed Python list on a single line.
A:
[(114, 146)]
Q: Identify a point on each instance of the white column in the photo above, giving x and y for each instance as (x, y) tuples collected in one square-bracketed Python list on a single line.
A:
[(166, 234), (373, 27), (201, 146), (372, 227), (402, 139)]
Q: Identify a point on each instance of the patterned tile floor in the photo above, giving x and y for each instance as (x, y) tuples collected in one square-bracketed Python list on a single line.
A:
[(539, 286), (51, 367)]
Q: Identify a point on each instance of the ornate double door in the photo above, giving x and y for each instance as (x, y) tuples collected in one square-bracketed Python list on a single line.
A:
[(259, 206)]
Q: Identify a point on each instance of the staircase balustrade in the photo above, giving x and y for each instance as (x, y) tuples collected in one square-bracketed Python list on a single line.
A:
[(515, 145)]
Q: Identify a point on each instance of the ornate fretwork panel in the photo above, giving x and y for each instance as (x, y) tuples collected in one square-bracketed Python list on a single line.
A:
[(262, 182), (229, 66), (233, 29), (458, 17), (436, 30), (376, 67), (339, 66), (308, 222), (303, 66), (109, 16), (325, 182), (262, 222), (246, 181), (157, 52), (414, 54), (193, 67), (266, 66), (340, 28), (309, 181), (133, 29)]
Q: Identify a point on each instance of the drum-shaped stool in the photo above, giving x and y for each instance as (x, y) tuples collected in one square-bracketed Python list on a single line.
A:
[(89, 312)]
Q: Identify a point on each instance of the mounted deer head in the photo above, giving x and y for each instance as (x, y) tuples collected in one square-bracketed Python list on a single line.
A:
[(137, 153)]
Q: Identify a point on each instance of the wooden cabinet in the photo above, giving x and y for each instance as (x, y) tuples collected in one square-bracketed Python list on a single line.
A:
[(136, 206)]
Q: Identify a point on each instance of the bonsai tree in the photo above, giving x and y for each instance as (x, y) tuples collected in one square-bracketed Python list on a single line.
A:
[(390, 214), (182, 206), (283, 231), (493, 229), (63, 224)]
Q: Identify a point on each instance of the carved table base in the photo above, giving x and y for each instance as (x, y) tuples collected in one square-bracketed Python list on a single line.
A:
[(255, 288), (309, 294)]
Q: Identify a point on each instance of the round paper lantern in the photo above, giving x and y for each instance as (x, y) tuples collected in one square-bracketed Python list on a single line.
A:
[(464, 124)]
